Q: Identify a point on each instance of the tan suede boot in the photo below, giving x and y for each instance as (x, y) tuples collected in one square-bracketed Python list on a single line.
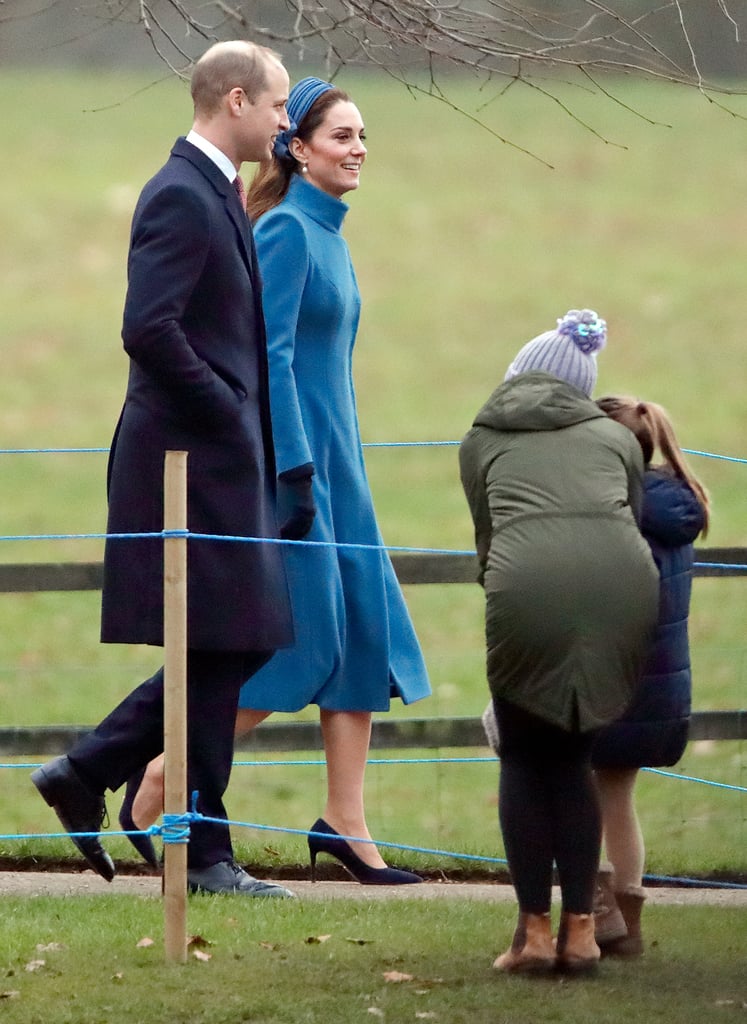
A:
[(531, 950), (576, 948), (630, 903), (609, 924)]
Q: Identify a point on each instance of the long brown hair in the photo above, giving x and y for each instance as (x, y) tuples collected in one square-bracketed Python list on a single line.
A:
[(653, 429), (273, 177)]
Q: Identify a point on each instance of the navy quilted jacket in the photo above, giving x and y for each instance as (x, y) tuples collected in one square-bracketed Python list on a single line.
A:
[(653, 731)]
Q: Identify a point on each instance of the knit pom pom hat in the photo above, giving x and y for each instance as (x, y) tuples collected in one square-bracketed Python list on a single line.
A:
[(569, 352)]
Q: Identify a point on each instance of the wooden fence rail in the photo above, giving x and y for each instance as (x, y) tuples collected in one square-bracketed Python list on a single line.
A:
[(389, 733), (410, 567)]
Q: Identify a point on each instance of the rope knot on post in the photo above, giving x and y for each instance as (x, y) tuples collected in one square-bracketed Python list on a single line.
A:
[(175, 827)]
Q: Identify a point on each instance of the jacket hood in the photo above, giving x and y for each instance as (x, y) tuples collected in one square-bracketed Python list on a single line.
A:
[(536, 401)]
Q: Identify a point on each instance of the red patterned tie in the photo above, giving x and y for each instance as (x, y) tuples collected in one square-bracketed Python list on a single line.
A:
[(238, 184)]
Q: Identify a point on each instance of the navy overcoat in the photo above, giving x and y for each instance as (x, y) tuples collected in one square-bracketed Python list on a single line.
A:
[(198, 382)]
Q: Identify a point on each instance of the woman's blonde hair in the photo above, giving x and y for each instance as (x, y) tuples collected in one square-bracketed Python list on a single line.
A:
[(654, 431)]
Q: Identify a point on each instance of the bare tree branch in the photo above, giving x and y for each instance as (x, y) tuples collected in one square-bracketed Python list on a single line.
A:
[(538, 44)]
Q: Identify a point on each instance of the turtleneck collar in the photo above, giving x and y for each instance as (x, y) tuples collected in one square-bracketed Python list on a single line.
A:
[(318, 205)]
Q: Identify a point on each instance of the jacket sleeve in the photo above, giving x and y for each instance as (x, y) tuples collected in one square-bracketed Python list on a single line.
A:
[(634, 470), (283, 254), (475, 489)]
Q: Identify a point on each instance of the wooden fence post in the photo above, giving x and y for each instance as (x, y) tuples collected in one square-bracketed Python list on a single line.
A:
[(175, 701)]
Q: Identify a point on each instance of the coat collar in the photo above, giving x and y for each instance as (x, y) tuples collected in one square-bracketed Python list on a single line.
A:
[(224, 187), (320, 206)]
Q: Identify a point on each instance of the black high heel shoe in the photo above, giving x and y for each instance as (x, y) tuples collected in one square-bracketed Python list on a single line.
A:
[(332, 843), (142, 843)]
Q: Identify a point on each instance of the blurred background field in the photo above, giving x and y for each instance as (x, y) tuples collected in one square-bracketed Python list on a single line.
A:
[(465, 247)]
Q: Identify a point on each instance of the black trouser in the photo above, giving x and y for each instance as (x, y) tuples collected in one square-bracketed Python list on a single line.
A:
[(132, 735), (548, 809)]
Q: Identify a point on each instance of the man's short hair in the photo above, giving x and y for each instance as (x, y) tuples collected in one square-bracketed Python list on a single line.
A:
[(228, 65)]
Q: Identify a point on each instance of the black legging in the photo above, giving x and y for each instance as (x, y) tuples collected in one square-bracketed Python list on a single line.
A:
[(548, 810)]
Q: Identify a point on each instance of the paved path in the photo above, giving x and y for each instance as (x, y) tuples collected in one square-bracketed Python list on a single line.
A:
[(86, 883)]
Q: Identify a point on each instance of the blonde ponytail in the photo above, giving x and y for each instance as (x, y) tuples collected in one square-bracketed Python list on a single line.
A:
[(654, 431)]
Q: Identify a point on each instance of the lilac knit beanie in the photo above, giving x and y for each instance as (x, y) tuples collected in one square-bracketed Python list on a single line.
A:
[(569, 352)]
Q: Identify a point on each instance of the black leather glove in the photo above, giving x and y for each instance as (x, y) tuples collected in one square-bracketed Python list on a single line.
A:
[(296, 501)]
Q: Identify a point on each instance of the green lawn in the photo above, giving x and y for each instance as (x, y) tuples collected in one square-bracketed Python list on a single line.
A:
[(341, 961), (464, 249)]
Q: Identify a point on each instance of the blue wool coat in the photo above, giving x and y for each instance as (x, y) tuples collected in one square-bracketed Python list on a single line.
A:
[(653, 731), (355, 643)]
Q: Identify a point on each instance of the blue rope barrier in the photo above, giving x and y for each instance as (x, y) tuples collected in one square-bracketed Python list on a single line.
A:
[(175, 828), (320, 763), (492, 759), (692, 778), (367, 444), (169, 534), (692, 883), (49, 451), (229, 538), (454, 855), (720, 565), (711, 455)]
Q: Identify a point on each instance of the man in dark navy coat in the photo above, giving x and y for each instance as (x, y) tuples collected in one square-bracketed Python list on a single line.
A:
[(194, 332)]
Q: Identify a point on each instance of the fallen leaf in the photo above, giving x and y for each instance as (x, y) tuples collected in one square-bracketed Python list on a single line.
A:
[(396, 976), (118, 976), (50, 947), (198, 942), (425, 1015), (360, 942), (199, 955), (144, 943), (10, 994), (376, 1011), (35, 965), (272, 946), (314, 939)]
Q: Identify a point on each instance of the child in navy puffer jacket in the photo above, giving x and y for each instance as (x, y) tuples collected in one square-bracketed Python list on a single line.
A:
[(653, 731)]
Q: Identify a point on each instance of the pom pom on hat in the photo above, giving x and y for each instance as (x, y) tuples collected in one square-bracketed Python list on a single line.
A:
[(569, 352)]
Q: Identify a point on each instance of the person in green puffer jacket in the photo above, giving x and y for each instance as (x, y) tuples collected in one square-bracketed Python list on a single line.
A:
[(555, 488)]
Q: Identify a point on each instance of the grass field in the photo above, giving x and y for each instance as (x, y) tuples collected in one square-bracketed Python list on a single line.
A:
[(464, 248), (341, 961)]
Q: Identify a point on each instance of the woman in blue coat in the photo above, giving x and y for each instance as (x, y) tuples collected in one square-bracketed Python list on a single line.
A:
[(653, 731), (355, 644)]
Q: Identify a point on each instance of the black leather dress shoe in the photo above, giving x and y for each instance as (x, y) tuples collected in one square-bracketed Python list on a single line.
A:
[(227, 878), (78, 808)]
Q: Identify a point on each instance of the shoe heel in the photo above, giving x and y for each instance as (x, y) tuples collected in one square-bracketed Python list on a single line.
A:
[(41, 781), (326, 840)]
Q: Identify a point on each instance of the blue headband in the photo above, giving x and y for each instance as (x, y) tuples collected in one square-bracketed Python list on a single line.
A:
[(302, 97)]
